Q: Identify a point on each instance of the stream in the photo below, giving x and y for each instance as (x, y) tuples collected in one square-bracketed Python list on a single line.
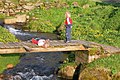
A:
[(35, 66)]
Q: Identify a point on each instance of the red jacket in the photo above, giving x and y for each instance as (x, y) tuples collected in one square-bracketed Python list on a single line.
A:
[(34, 41), (68, 21)]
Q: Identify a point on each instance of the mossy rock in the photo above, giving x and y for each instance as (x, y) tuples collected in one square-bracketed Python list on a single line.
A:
[(116, 76), (67, 72), (95, 74)]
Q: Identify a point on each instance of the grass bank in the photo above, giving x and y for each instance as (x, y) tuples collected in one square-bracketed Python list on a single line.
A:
[(6, 59), (111, 63)]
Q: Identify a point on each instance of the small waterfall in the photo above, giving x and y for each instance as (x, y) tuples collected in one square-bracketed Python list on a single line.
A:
[(15, 31), (19, 33), (24, 36)]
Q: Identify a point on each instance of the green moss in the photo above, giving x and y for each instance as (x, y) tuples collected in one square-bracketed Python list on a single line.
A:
[(2, 16), (67, 64), (93, 51), (95, 74), (6, 36)]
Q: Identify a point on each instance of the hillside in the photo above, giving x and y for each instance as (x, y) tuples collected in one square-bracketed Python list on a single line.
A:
[(92, 21)]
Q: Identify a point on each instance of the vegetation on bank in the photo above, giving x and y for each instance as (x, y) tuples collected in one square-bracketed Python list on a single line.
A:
[(8, 59), (6, 36), (92, 21), (111, 63)]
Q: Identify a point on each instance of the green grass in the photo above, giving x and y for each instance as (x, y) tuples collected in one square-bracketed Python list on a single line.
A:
[(6, 59), (91, 24), (112, 63), (2, 16), (6, 36)]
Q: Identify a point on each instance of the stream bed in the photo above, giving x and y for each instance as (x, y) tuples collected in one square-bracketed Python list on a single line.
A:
[(35, 66)]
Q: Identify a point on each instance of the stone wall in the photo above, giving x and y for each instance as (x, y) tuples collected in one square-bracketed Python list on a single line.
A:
[(9, 8)]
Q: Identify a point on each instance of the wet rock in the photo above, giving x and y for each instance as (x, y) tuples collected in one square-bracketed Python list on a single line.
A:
[(10, 66), (6, 77), (18, 19), (1, 4), (10, 21), (1, 9), (95, 74), (21, 18), (67, 72), (28, 7)]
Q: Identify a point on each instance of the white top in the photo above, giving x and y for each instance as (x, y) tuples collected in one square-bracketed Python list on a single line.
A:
[(41, 42), (68, 20)]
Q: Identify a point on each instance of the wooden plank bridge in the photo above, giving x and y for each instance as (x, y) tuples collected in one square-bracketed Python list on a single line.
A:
[(59, 45), (55, 45)]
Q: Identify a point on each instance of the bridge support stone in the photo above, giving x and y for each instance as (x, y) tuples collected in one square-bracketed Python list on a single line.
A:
[(87, 56), (81, 56)]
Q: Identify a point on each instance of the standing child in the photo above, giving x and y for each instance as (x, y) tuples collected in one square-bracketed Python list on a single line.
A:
[(68, 24)]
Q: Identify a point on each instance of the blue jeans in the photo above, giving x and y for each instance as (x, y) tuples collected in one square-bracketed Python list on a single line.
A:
[(68, 32)]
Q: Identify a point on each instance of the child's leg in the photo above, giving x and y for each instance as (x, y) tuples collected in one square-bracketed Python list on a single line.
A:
[(68, 33)]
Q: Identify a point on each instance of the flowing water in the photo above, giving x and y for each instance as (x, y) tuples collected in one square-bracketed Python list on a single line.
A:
[(24, 36), (35, 66)]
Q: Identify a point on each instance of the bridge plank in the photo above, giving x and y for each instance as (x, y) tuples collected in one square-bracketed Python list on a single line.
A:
[(55, 49), (62, 43), (12, 50), (16, 44), (19, 44), (11, 45), (6, 45), (2, 45), (40, 49), (29, 44)]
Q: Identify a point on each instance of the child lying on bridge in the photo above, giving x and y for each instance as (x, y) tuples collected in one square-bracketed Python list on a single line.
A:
[(40, 42)]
